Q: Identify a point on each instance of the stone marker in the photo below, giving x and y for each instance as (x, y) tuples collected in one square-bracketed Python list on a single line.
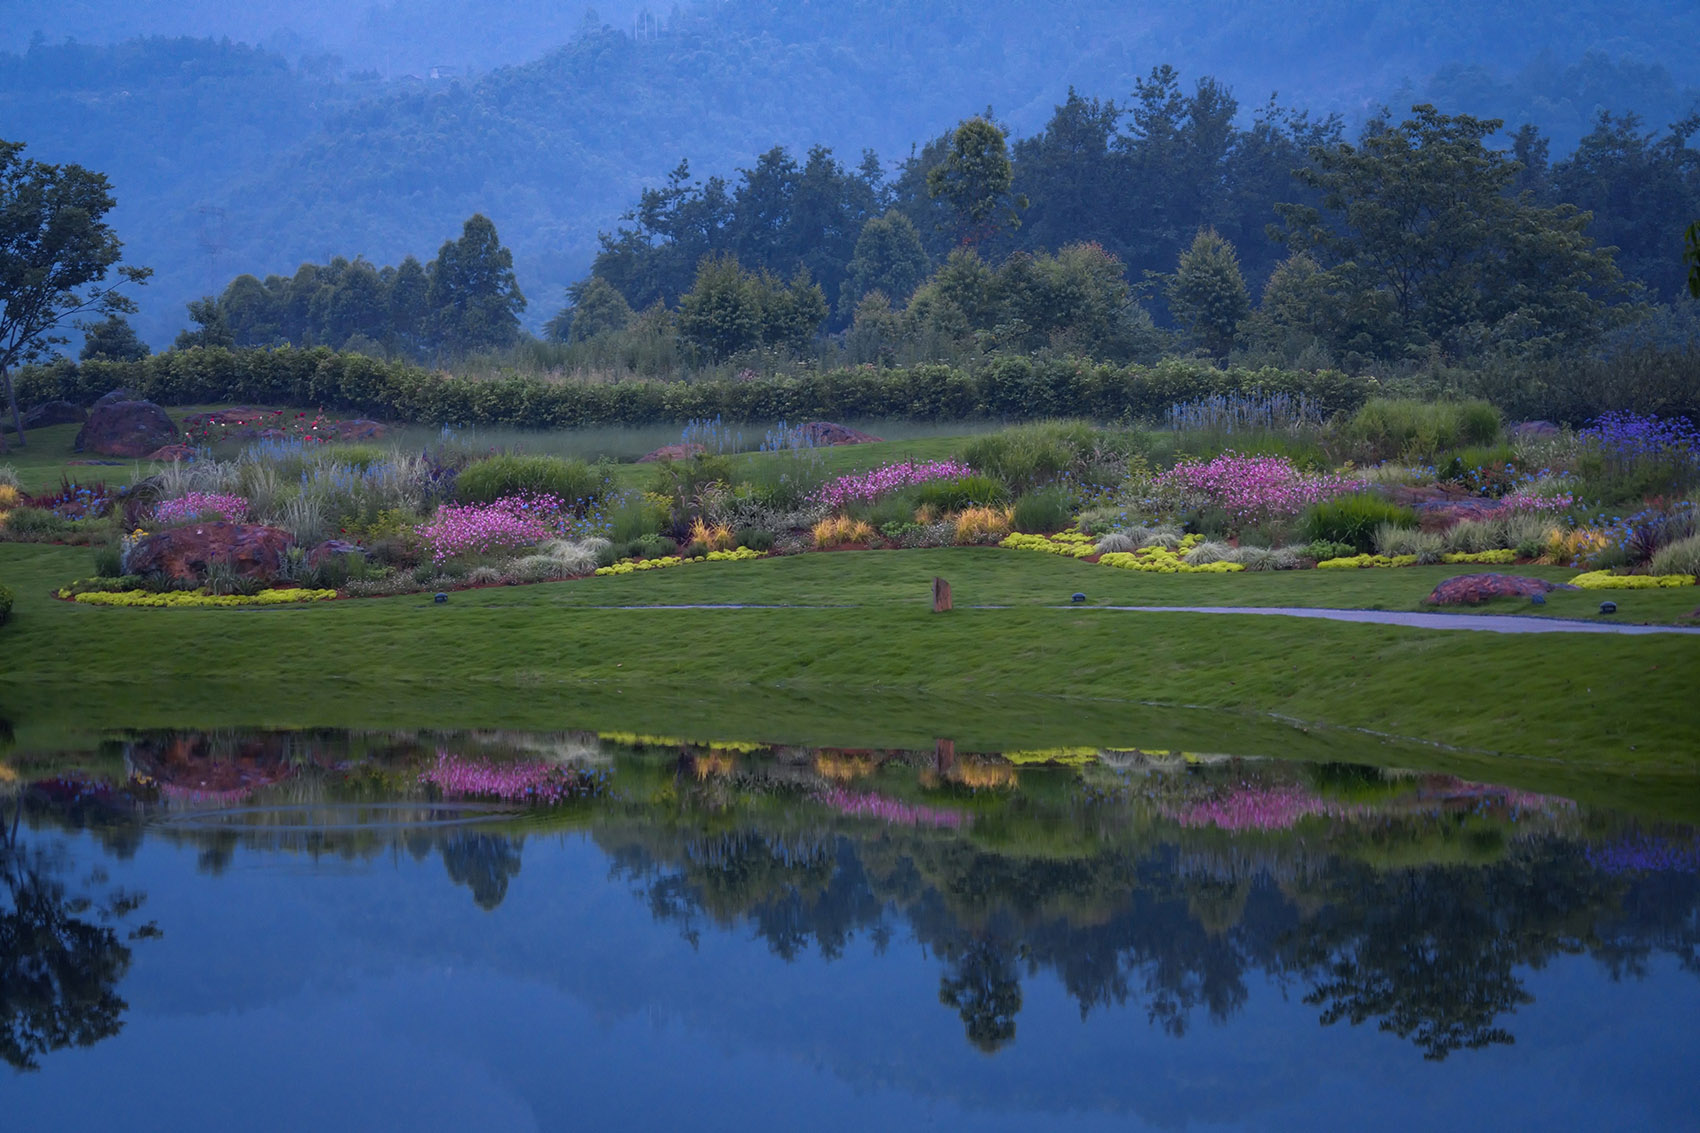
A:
[(941, 595)]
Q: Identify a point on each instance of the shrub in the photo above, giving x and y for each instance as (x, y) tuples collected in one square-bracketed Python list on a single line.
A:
[(1391, 539), (1322, 550), (1250, 489), (1680, 557), (5, 604), (696, 549), (1353, 519), (109, 559), (948, 496), (35, 525), (981, 524), (512, 474), (507, 524), (1387, 428), (758, 539), (1041, 512)]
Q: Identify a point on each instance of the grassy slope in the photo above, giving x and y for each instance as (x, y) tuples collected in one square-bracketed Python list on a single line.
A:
[(886, 673)]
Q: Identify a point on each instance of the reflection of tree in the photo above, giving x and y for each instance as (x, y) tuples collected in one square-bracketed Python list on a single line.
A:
[(483, 863), (1432, 953), (985, 989), (59, 969)]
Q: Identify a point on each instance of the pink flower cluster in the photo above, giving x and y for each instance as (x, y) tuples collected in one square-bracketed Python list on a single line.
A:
[(1522, 501), (530, 782), (194, 505), (1251, 808), (511, 523), (859, 804), (1253, 487), (865, 487)]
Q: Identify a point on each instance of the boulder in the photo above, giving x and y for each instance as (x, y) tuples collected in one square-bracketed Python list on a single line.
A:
[(331, 548), (171, 453), (252, 550), (1533, 430), (672, 452), (827, 433), (126, 428), (54, 413), (355, 429), (119, 394), (1470, 589)]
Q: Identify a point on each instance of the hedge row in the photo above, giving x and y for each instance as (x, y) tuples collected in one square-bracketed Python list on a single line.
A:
[(1015, 387)]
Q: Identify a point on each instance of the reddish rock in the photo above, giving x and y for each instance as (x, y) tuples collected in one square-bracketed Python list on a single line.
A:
[(172, 453), (1533, 430), (252, 550), (672, 452), (355, 429), (826, 433), (126, 428), (1470, 589)]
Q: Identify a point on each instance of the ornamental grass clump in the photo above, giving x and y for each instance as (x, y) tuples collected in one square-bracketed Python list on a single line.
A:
[(866, 487), (982, 524), (841, 529), (1353, 519), (509, 524), (203, 506), (1250, 489), (1680, 557)]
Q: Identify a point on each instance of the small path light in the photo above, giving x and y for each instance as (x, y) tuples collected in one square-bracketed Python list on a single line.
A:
[(1078, 599), (440, 598), (1537, 599), (1608, 607)]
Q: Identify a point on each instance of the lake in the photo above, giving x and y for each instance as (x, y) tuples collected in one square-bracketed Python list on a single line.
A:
[(527, 930)]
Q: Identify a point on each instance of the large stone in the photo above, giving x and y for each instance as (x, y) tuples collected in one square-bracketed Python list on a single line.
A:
[(126, 428), (251, 550), (671, 452), (53, 413), (331, 548), (827, 433), (1471, 589), (119, 394)]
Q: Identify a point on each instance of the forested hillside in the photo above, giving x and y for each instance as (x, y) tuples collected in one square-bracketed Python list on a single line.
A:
[(228, 159)]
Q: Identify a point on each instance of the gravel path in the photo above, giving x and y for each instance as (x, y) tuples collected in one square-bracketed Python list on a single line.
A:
[(1491, 623)]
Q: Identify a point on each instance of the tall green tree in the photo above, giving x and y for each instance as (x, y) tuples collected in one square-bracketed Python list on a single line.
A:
[(1207, 293), (1423, 223), (593, 307), (112, 339), (56, 252), (473, 296), (888, 258), (974, 179), (210, 327), (721, 315)]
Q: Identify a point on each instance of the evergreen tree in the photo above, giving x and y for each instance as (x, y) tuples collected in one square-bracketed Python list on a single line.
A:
[(593, 308), (721, 314), (974, 179), (113, 340), (888, 258), (1207, 293), (473, 298)]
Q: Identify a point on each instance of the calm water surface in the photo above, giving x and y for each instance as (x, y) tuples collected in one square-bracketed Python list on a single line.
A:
[(544, 931)]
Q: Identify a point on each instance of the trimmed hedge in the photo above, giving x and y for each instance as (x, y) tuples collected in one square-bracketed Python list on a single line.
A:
[(1014, 387)]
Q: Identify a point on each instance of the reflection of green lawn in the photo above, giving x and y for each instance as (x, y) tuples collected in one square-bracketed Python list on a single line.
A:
[(888, 672)]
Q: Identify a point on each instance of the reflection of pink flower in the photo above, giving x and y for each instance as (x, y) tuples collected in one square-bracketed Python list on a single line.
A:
[(181, 794), (1253, 808), (534, 782), (866, 805)]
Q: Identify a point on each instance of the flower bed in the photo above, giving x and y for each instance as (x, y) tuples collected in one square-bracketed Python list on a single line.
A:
[(510, 523), (1606, 580), (527, 782), (866, 487), (1252, 488), (196, 505), (189, 598), (632, 566)]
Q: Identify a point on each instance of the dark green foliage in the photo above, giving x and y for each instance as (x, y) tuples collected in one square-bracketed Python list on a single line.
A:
[(473, 297), (1403, 428), (1207, 293), (112, 339), (108, 559), (1042, 512), (889, 258), (1352, 520), (1324, 549), (729, 310), (484, 481), (892, 509), (1026, 457), (695, 549), (953, 495), (974, 180), (1017, 388), (34, 525), (756, 538), (5, 604)]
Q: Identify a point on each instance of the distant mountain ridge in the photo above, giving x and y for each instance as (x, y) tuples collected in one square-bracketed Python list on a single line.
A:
[(227, 158)]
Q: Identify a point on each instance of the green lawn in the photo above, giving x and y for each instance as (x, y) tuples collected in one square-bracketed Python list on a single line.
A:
[(1547, 711)]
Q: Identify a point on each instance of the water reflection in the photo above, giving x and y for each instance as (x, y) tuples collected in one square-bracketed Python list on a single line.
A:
[(1156, 883)]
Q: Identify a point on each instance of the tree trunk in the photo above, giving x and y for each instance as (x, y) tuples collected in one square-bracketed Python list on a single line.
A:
[(12, 397)]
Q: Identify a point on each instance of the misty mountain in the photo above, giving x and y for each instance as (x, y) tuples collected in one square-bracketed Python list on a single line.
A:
[(336, 139)]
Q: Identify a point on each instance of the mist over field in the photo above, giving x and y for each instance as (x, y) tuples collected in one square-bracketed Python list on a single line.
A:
[(253, 138)]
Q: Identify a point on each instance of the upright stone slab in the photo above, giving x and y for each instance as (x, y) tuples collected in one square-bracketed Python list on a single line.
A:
[(941, 595)]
